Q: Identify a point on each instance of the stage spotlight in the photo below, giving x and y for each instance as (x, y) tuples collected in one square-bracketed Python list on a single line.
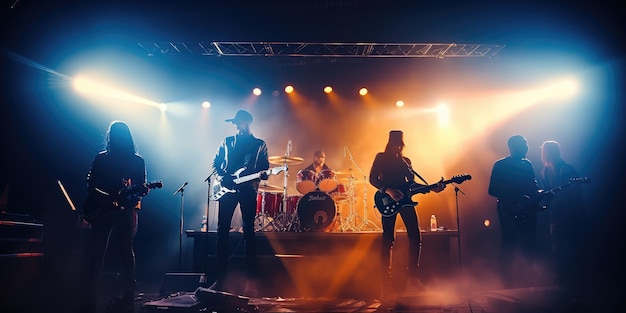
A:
[(256, 91), (363, 91), (94, 88), (443, 114), (487, 223), (288, 89), (563, 88), (206, 104), (163, 107), (399, 103), (328, 89)]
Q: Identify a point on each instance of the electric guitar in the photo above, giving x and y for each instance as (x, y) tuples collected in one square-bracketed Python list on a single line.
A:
[(389, 207), (99, 202), (222, 187), (522, 210)]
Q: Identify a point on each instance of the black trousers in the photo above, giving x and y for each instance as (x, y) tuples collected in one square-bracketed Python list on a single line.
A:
[(125, 224), (519, 238), (246, 197), (410, 219)]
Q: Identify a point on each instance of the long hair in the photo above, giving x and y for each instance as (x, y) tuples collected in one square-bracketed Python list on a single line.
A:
[(119, 138), (551, 152)]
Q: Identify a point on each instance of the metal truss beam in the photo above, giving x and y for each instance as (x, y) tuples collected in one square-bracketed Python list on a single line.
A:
[(328, 49)]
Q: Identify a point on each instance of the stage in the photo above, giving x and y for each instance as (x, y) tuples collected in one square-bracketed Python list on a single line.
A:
[(326, 263)]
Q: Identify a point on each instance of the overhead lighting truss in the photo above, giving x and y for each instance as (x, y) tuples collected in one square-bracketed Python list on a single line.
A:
[(328, 49)]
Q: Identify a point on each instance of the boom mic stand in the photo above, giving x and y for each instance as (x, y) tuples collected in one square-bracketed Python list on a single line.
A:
[(458, 222), (181, 189), (206, 229)]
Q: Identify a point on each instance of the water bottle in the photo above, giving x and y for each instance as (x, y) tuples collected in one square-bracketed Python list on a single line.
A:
[(203, 228), (433, 223)]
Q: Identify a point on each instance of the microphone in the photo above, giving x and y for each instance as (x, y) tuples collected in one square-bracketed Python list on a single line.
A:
[(289, 146), (209, 177), (180, 188)]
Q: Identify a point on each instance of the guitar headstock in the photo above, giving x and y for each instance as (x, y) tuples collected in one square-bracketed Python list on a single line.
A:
[(155, 184), (457, 179), (580, 180), (277, 170)]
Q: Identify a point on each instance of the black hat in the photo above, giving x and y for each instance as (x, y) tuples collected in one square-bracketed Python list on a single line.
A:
[(242, 115), (395, 137)]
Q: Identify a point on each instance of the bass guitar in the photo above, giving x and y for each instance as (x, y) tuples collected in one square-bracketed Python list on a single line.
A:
[(389, 207), (99, 202), (223, 186), (522, 210)]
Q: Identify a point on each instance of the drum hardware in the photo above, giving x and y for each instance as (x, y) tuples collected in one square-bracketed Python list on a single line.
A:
[(282, 219), (365, 223), (265, 220)]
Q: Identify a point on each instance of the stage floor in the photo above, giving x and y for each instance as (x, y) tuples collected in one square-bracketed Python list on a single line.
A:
[(308, 272)]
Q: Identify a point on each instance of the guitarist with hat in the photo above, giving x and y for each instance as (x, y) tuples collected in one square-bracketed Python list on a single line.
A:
[(392, 174), (243, 154)]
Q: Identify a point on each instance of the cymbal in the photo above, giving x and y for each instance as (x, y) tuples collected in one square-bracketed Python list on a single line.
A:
[(281, 159), (345, 172), (269, 188), (347, 181)]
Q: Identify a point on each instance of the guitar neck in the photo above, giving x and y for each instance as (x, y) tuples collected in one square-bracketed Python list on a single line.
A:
[(249, 177), (428, 188)]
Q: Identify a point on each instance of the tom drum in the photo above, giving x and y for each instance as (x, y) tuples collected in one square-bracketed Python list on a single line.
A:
[(305, 181), (327, 181), (273, 201)]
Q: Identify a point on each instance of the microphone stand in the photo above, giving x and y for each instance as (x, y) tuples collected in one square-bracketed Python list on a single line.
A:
[(206, 229), (181, 189), (458, 221)]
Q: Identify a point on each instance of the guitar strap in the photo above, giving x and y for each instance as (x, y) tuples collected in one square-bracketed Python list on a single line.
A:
[(414, 172)]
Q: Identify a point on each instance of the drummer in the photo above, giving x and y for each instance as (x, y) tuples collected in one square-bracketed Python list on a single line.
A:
[(319, 164), (324, 176)]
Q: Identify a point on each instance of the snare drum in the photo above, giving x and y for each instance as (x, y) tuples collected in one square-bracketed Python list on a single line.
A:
[(305, 181), (273, 202), (316, 211), (326, 180)]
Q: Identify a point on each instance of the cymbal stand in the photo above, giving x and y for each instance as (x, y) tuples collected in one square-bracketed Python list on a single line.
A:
[(282, 214), (350, 221), (263, 217), (366, 222)]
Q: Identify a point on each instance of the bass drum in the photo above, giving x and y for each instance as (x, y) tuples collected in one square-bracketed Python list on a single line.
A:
[(316, 211)]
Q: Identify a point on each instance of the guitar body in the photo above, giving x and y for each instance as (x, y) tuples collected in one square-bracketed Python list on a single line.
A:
[(523, 210), (389, 207), (97, 204), (224, 185), (218, 190)]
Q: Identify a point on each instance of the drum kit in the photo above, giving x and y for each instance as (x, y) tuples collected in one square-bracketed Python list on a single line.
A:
[(319, 205)]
